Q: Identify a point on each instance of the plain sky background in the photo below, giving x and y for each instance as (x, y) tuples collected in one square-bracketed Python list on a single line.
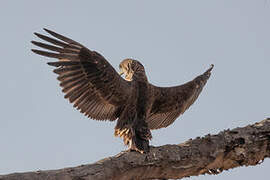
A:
[(175, 40)]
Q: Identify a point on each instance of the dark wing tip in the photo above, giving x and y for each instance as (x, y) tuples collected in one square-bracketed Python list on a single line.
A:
[(38, 35), (53, 64), (52, 33), (39, 52), (35, 43), (35, 51), (48, 31), (211, 67), (35, 33), (63, 38), (208, 71)]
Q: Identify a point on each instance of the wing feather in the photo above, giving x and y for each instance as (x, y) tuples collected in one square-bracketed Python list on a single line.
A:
[(63, 38), (64, 76), (171, 102), (75, 90), (63, 70), (78, 94), (51, 40), (81, 101), (86, 77)]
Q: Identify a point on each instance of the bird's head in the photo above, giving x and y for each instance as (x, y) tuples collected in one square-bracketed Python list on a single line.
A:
[(131, 67)]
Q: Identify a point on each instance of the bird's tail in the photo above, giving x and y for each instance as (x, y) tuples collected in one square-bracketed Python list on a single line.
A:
[(140, 138)]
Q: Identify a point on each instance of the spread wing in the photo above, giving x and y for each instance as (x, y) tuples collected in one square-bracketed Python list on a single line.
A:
[(171, 102), (86, 77)]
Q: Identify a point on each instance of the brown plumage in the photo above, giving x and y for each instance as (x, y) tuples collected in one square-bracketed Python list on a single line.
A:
[(99, 92)]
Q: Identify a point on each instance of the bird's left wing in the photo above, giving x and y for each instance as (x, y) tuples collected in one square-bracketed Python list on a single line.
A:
[(87, 79), (171, 102)]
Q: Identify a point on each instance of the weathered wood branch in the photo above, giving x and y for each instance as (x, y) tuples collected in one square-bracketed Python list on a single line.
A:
[(210, 154)]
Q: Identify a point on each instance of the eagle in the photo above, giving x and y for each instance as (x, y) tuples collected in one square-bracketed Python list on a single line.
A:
[(96, 89)]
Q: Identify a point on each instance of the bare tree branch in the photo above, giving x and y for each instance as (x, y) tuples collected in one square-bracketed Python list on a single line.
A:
[(210, 154)]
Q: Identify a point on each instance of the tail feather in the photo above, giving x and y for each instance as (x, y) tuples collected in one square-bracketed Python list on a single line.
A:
[(140, 139), (137, 137)]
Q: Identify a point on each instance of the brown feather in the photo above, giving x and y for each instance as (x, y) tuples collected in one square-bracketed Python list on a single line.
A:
[(72, 80), (59, 56), (61, 37), (51, 40), (78, 94), (75, 89), (63, 63), (64, 76), (81, 100), (62, 70), (49, 47)]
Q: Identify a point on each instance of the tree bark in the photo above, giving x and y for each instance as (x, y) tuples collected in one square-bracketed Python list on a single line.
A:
[(211, 154)]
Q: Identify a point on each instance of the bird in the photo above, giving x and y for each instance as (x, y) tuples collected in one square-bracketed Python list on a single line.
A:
[(98, 91)]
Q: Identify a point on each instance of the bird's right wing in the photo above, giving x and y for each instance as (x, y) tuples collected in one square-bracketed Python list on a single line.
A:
[(171, 102), (87, 78)]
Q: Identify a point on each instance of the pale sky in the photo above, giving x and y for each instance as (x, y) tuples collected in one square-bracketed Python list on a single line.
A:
[(175, 40)]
